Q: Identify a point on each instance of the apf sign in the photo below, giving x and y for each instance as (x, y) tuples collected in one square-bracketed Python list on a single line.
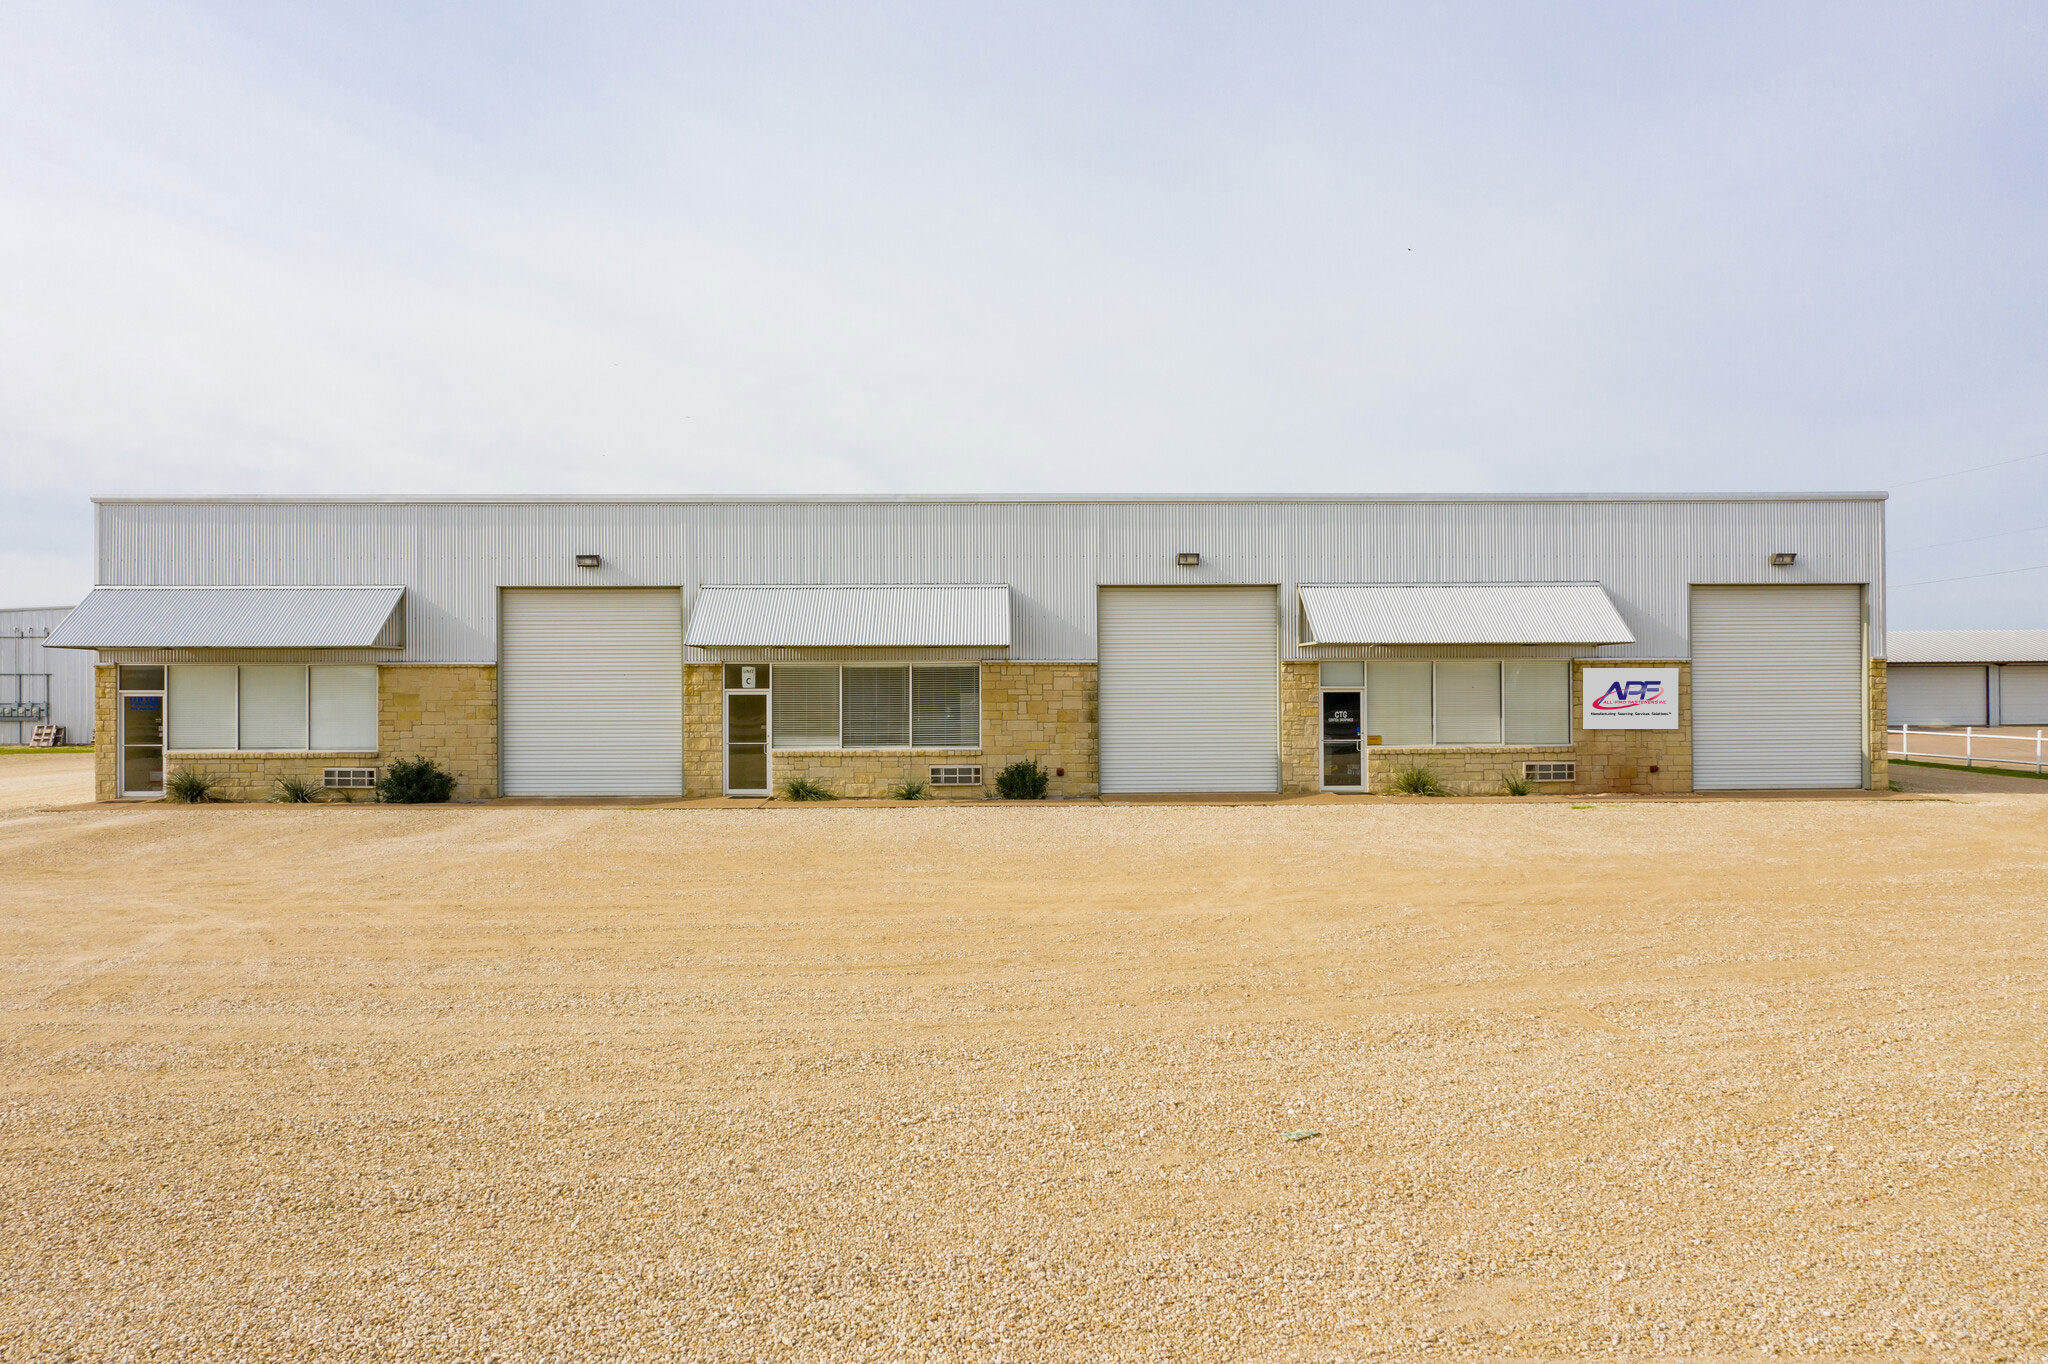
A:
[(1629, 698)]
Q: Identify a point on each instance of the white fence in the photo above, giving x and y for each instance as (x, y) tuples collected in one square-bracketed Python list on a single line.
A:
[(1969, 746)]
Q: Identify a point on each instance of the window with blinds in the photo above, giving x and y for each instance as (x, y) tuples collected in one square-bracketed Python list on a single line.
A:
[(273, 704), (1536, 701), (877, 702), (202, 700), (1468, 701), (805, 699), (343, 707), (1397, 707), (945, 707)]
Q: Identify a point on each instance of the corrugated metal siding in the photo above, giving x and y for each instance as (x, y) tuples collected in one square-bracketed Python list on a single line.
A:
[(2023, 694), (1936, 694), (1777, 688), (855, 617), (234, 617), (454, 556), (1969, 646), (22, 633), (1461, 613)]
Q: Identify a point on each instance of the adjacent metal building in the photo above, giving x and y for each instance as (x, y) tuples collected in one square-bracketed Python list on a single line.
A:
[(41, 686), (1969, 677), (664, 647)]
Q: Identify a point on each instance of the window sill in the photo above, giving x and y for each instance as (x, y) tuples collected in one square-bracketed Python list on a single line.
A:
[(271, 752), (1468, 748), (908, 752)]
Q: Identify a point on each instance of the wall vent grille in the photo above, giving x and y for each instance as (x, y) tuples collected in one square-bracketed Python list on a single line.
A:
[(349, 778), (967, 774), (1550, 771)]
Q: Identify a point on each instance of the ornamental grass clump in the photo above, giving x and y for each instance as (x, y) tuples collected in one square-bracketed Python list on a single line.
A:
[(803, 788), (188, 787), (1024, 780), (911, 790), (1514, 785), (1416, 781), (295, 791), (415, 781)]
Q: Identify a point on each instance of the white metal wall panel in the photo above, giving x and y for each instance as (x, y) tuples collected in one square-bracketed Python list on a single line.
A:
[(1936, 694), (590, 692), (1777, 687), (1189, 689), (70, 685), (454, 556), (2023, 694)]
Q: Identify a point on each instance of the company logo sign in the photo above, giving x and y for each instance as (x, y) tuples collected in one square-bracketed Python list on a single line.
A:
[(1629, 698)]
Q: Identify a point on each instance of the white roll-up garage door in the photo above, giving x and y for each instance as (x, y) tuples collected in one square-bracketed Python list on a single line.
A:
[(590, 691), (1777, 687), (1189, 688), (2023, 694), (1935, 694)]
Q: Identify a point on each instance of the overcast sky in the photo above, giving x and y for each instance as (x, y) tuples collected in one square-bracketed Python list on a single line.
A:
[(1088, 248)]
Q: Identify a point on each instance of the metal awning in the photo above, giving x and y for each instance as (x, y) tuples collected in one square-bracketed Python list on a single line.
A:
[(851, 616), (235, 618), (1460, 613)]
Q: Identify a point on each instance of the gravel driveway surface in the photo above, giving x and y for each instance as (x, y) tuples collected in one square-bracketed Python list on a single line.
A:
[(1646, 1080)]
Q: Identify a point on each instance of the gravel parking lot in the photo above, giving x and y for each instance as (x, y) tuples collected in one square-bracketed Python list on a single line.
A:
[(1635, 1079)]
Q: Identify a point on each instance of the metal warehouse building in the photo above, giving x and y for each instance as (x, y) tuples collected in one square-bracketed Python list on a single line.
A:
[(39, 685), (671, 647), (1969, 677)]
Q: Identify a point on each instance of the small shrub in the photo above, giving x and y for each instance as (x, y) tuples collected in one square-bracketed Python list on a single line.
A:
[(803, 788), (296, 791), (1416, 781), (1514, 785), (188, 787), (911, 790), (1024, 780), (415, 781)]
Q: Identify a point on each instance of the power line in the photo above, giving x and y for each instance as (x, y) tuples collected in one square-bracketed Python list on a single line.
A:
[(2003, 572), (1974, 469), (1968, 540)]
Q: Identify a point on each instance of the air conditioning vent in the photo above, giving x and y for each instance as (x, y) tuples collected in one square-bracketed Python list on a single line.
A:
[(1550, 771), (349, 778), (967, 774)]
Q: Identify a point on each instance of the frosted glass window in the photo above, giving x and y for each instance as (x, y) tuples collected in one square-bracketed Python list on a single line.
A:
[(1397, 701), (946, 707), (1468, 701), (1344, 673), (877, 702), (344, 708), (806, 701), (1537, 701), (273, 705), (201, 698)]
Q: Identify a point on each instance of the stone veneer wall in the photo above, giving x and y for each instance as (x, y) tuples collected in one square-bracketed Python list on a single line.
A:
[(1880, 740), (1608, 759), (449, 714), (1028, 710)]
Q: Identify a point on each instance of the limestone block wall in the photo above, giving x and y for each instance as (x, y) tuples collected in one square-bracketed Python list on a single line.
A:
[(106, 690), (1301, 726), (1045, 711), (1880, 742), (449, 714)]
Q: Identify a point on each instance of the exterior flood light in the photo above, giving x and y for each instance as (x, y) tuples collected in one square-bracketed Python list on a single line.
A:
[(593, 560), (1783, 559), (1188, 559)]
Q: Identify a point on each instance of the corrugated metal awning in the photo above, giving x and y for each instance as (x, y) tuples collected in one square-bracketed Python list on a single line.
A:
[(850, 616), (1460, 613), (235, 618), (1968, 646)]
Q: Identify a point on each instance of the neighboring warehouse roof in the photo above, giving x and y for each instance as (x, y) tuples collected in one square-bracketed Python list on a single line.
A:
[(851, 616), (1967, 646), (235, 618), (1460, 613)]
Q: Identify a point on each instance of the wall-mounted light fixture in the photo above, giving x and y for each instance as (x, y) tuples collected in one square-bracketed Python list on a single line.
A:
[(1188, 559), (589, 560), (1784, 558)]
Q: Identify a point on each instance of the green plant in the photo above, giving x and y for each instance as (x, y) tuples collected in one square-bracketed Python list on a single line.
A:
[(1416, 781), (296, 791), (1514, 785), (911, 790), (188, 787), (803, 788), (415, 781), (1024, 780)]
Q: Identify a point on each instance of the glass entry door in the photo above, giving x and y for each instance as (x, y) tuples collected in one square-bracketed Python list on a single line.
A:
[(142, 744), (746, 743), (1343, 756)]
